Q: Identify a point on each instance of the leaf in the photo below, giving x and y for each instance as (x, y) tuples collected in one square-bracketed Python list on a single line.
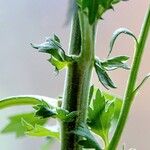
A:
[(95, 8), (116, 34), (103, 113), (95, 109), (38, 130), (107, 116), (117, 106), (115, 63), (59, 65), (15, 125), (53, 47), (89, 141), (44, 111), (103, 76), (65, 115)]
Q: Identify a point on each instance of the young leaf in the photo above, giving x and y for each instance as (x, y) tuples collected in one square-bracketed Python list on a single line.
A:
[(115, 63), (15, 125), (117, 106), (116, 34), (59, 65), (103, 76), (38, 130), (103, 114), (44, 111), (53, 47), (89, 141), (95, 8)]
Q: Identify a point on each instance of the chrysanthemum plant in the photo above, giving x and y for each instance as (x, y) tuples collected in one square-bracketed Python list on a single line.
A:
[(84, 112)]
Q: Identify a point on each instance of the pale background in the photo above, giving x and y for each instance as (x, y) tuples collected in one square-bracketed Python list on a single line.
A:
[(24, 71)]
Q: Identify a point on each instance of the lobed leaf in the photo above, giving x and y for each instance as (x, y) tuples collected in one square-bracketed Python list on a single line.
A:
[(89, 141), (103, 113), (115, 63), (103, 76), (44, 111), (15, 125), (38, 130), (53, 47), (109, 64), (95, 8)]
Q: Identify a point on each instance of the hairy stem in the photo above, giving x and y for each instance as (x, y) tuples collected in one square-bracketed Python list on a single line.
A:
[(129, 96), (78, 79)]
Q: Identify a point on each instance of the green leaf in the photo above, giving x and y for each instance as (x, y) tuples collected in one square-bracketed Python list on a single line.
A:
[(117, 106), (116, 34), (103, 76), (53, 47), (89, 141), (44, 111), (38, 130), (98, 105), (15, 125), (107, 116), (103, 113), (59, 65), (95, 8), (115, 63)]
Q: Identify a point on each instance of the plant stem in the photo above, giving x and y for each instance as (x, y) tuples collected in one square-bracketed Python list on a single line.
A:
[(129, 96), (78, 79), (16, 101)]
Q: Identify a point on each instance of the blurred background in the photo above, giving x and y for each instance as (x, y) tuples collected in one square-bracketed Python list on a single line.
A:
[(24, 71)]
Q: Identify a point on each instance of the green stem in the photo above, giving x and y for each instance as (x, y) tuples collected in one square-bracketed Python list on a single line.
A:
[(129, 96), (78, 79), (16, 101)]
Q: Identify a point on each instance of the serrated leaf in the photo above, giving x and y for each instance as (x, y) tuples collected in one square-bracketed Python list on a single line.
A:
[(107, 116), (65, 115), (103, 113), (44, 111), (103, 76), (116, 34), (59, 65), (89, 142), (115, 63), (117, 105), (95, 8), (53, 47), (15, 125), (38, 130)]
